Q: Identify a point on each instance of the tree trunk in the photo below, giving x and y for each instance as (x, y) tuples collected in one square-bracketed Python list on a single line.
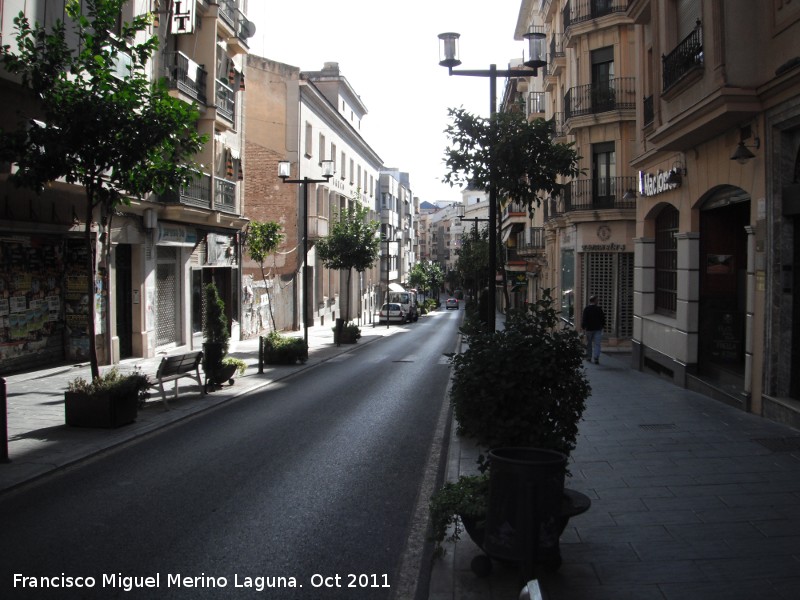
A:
[(269, 297), (347, 306), (90, 288)]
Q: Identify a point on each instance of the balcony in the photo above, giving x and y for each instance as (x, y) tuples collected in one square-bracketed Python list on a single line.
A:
[(224, 195), (595, 98), (580, 11), (531, 241), (197, 193), (235, 20), (559, 128), (535, 105), (556, 59), (186, 76), (599, 193), (390, 217), (225, 102), (685, 58)]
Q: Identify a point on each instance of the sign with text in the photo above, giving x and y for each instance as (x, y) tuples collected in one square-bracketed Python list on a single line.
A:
[(182, 17)]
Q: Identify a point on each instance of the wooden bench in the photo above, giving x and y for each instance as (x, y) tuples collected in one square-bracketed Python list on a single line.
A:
[(175, 367)]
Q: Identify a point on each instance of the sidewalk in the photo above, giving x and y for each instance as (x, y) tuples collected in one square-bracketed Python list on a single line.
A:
[(691, 499), (39, 442)]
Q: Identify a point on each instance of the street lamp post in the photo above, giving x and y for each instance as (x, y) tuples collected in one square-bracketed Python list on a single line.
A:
[(284, 171), (448, 57)]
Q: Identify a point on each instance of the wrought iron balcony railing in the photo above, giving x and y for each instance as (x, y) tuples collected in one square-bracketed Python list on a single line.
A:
[(226, 101), (599, 193), (186, 75), (530, 241), (535, 103), (579, 11), (687, 56), (649, 112), (197, 193), (606, 96), (224, 195)]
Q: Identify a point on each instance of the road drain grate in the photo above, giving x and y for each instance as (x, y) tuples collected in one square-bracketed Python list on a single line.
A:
[(784, 444), (657, 426), (402, 361)]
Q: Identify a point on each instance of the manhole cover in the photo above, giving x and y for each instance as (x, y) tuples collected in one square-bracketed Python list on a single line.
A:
[(657, 426), (785, 444)]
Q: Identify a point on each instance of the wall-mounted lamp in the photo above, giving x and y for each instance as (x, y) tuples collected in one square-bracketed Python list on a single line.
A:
[(150, 219), (676, 173), (742, 153)]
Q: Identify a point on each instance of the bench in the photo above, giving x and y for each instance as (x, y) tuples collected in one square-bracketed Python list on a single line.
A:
[(173, 368)]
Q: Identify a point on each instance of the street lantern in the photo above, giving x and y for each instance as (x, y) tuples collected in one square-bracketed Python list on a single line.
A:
[(448, 49), (535, 49)]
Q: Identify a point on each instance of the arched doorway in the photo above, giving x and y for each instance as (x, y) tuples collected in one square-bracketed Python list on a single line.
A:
[(723, 287)]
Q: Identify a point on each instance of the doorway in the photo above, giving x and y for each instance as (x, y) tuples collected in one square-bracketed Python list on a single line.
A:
[(123, 294), (723, 288)]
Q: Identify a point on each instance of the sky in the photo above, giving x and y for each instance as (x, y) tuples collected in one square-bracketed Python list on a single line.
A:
[(389, 53)]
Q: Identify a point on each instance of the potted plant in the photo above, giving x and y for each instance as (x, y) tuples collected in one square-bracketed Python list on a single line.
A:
[(216, 339), (521, 387), (284, 350), (346, 333), (110, 400)]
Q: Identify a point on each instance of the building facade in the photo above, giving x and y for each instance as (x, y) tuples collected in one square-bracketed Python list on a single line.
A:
[(163, 249), (306, 117), (590, 95), (717, 151)]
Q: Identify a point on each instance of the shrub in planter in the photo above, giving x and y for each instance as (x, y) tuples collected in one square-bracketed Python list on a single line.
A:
[(523, 386), (284, 350), (350, 334), (110, 400)]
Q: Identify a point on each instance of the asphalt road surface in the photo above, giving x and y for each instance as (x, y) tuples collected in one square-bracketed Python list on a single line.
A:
[(305, 489)]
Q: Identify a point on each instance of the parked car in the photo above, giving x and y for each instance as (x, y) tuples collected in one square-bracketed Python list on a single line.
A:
[(451, 303), (392, 312)]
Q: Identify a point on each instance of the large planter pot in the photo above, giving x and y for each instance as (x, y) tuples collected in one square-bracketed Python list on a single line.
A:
[(526, 487), (103, 409)]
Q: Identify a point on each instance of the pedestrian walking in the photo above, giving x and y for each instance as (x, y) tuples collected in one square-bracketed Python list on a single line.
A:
[(592, 322)]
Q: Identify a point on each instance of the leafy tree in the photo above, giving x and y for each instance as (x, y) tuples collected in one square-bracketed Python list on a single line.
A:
[(472, 264), (262, 240), (509, 154), (427, 276), (352, 244), (104, 125)]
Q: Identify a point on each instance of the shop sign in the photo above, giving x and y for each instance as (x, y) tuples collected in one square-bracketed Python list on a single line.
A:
[(182, 18), (652, 185), (176, 235)]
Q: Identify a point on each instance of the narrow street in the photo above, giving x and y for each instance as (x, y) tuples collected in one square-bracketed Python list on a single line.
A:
[(303, 490)]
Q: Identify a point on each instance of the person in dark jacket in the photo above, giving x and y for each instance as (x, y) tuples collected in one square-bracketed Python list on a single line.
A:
[(592, 322)]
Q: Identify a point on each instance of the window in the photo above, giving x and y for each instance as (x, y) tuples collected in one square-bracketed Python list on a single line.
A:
[(321, 147), (309, 140), (344, 165), (352, 170), (604, 175), (667, 261)]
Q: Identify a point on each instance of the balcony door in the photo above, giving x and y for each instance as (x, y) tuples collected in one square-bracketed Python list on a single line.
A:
[(603, 96), (604, 175)]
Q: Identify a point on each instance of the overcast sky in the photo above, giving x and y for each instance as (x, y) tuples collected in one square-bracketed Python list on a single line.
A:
[(389, 53)]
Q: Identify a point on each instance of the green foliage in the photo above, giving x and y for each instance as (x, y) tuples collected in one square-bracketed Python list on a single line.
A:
[(284, 350), (509, 153), (350, 334), (114, 383), (101, 123), (241, 366), (352, 243), (263, 239), (472, 265), (522, 386), (426, 275), (215, 325), (468, 495)]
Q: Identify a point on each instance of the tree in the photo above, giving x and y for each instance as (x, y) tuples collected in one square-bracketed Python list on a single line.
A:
[(352, 244), (509, 154), (103, 125), (426, 275), (472, 264), (262, 240)]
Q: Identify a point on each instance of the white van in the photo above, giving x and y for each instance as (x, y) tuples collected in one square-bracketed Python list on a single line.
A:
[(407, 300)]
